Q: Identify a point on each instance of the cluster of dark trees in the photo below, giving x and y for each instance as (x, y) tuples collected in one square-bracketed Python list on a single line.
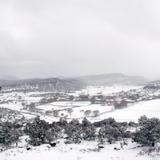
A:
[(41, 132), (76, 131), (10, 133), (111, 131), (120, 105), (147, 131)]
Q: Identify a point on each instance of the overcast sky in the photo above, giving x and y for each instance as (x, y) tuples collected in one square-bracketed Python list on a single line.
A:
[(50, 38)]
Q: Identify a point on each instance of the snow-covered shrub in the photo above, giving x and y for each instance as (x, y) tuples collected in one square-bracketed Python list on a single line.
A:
[(148, 133), (87, 113), (76, 131), (9, 133), (109, 134), (41, 132), (95, 113), (132, 124), (121, 104), (112, 131), (104, 122), (73, 131), (88, 130)]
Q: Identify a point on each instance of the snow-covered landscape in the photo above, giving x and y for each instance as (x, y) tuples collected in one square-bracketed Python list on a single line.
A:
[(78, 105), (32, 103), (79, 80)]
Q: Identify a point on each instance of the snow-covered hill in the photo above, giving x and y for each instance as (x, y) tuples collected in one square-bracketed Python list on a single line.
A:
[(84, 151), (133, 112)]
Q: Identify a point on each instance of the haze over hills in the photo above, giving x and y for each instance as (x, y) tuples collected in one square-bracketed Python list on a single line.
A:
[(61, 84), (49, 84), (113, 79), (7, 77)]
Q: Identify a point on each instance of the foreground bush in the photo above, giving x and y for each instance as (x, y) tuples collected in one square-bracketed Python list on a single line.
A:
[(112, 133), (148, 133), (9, 133), (76, 131), (41, 132), (108, 130)]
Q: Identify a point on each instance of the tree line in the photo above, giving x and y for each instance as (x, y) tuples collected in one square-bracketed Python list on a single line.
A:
[(147, 132)]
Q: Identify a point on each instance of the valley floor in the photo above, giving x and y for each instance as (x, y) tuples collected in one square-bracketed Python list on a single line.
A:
[(86, 150)]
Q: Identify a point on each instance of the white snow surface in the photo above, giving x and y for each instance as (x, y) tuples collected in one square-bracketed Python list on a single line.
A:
[(131, 113), (134, 112), (83, 151), (92, 90)]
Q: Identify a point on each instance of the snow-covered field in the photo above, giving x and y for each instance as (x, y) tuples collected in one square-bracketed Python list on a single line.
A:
[(78, 108), (150, 108), (14, 100), (133, 112), (91, 90), (83, 151)]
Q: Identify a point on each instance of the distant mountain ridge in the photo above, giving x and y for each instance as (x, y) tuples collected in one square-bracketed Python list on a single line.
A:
[(68, 84), (113, 79), (49, 84)]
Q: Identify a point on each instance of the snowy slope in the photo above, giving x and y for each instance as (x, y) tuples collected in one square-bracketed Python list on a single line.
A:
[(84, 151), (132, 113)]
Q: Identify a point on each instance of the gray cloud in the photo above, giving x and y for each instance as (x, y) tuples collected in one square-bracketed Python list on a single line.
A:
[(78, 37)]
